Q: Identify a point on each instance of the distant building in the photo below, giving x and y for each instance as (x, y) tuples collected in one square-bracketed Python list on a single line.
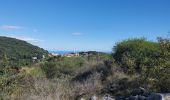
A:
[(71, 55), (50, 55), (34, 59), (54, 54), (43, 56)]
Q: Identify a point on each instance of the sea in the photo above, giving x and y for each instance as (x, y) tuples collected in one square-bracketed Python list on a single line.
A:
[(67, 52), (62, 52)]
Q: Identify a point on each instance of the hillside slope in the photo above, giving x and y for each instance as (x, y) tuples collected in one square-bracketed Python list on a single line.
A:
[(19, 52)]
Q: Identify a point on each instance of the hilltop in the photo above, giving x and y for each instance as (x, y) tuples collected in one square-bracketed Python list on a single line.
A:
[(19, 52)]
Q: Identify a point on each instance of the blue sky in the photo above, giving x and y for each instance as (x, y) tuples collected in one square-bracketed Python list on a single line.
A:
[(83, 24)]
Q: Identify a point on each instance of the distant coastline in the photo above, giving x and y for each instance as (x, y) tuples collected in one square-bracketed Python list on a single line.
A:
[(67, 52), (62, 52)]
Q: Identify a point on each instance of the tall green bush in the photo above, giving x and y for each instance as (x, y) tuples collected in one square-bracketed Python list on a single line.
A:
[(132, 54), (159, 76)]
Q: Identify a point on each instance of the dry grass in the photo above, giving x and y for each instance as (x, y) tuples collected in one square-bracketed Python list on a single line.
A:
[(89, 87), (87, 81), (43, 89)]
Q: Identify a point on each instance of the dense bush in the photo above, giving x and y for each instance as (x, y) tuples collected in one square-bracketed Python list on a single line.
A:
[(62, 66), (150, 60), (158, 76), (132, 54)]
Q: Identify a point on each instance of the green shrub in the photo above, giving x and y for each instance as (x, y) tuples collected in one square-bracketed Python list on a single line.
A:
[(159, 75), (62, 67), (150, 60), (132, 54)]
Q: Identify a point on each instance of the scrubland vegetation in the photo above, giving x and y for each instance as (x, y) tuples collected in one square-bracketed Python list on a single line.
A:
[(133, 63)]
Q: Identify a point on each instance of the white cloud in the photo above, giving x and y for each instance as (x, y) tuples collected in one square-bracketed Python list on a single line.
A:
[(77, 34), (9, 27), (28, 39)]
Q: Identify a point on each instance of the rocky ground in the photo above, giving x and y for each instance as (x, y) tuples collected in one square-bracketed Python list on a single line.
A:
[(152, 96), (137, 94)]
